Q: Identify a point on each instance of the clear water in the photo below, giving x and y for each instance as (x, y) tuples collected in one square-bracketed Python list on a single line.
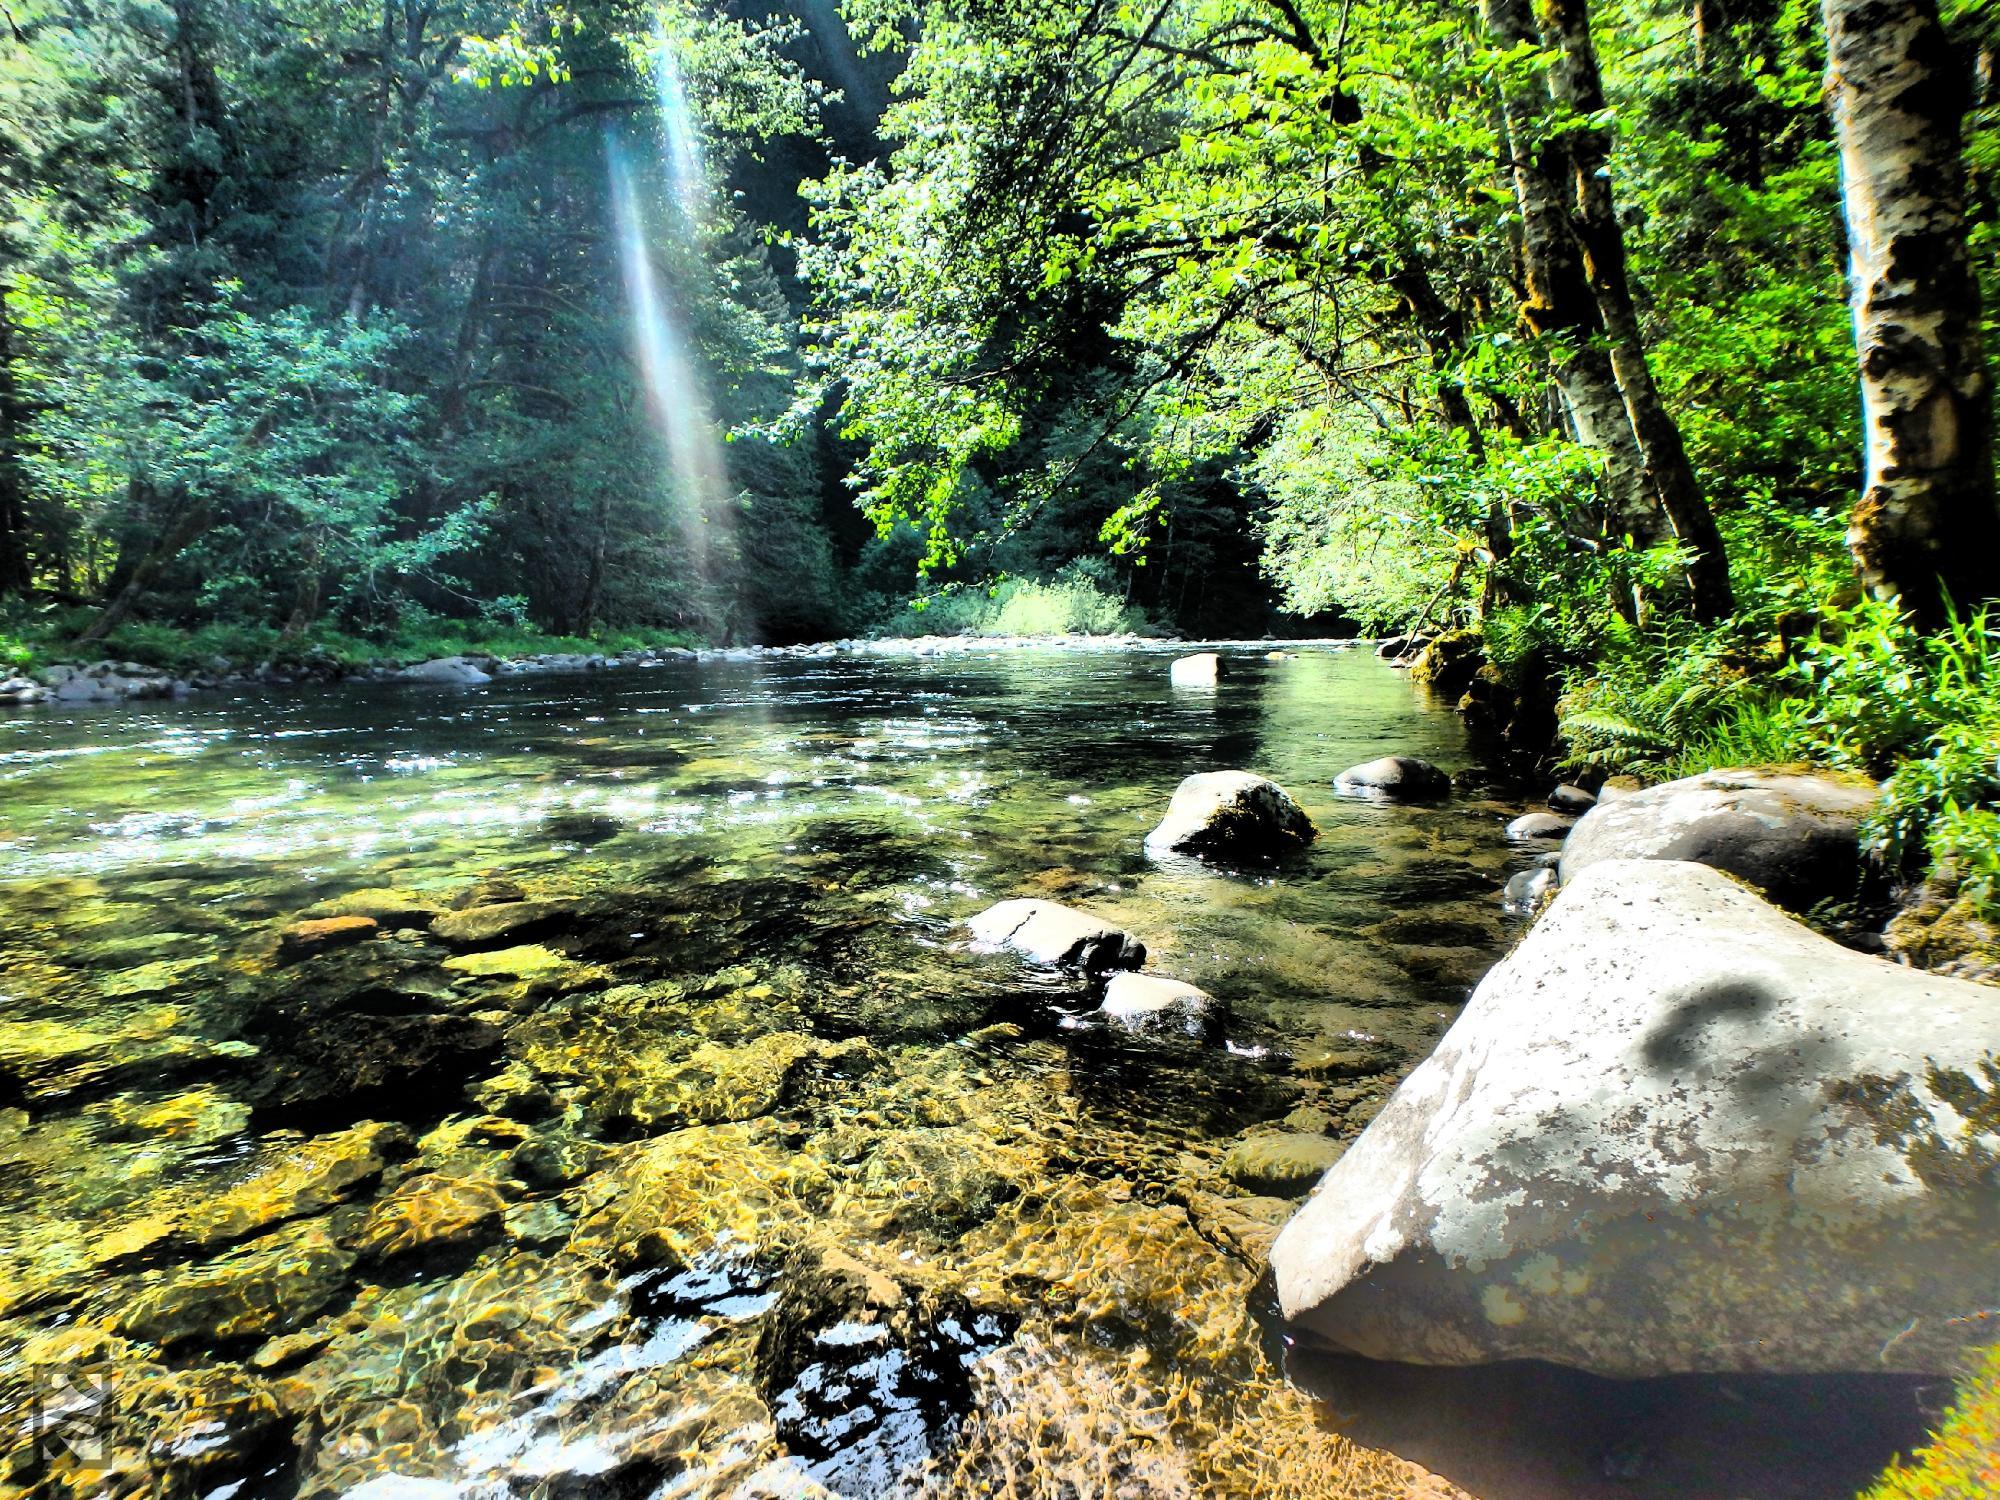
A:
[(736, 1170)]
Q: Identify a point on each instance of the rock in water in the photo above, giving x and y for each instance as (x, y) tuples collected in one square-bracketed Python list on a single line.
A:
[(450, 670), (1201, 670), (1050, 933), (1675, 1131), (1231, 814), (319, 934), (1153, 999), (1794, 836), (1395, 778), (1282, 1166), (1538, 825), (1573, 800)]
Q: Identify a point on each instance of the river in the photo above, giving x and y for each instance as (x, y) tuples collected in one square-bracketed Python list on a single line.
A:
[(702, 1155)]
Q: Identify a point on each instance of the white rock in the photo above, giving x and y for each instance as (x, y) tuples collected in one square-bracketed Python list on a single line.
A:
[(1674, 1131), (1538, 825), (1050, 933), (1231, 814), (1148, 999), (1203, 669)]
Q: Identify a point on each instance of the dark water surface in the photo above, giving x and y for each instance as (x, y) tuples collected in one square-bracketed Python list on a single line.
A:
[(666, 1137)]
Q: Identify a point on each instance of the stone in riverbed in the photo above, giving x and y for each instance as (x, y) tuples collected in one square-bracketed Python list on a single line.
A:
[(1281, 1165), (1395, 778), (478, 926), (431, 1212), (1201, 670), (1231, 815), (1538, 825), (322, 935), (1049, 933), (1675, 1131), (392, 908), (448, 671), (1573, 800), (1155, 1000), (292, 1181), (1792, 834), (271, 1287)]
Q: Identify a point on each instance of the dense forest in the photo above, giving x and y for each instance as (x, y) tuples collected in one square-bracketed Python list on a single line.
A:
[(1635, 353)]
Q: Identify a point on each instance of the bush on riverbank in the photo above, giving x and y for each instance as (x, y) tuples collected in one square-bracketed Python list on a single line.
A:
[(1076, 602), (50, 637)]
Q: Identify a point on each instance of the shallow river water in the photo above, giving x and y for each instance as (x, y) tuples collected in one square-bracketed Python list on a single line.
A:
[(666, 1136)]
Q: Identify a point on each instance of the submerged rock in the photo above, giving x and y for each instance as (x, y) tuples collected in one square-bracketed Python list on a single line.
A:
[(431, 1212), (1793, 835), (1231, 814), (714, 1083), (271, 1287), (1052, 934), (292, 1181), (1203, 669), (1395, 778), (391, 908), (477, 926), (321, 934), (1281, 1165), (1675, 1131)]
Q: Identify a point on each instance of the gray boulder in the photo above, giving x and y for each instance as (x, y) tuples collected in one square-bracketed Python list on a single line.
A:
[(1675, 1131), (451, 671), (1231, 814), (1204, 669), (1050, 933), (1395, 778), (1793, 835), (1526, 890)]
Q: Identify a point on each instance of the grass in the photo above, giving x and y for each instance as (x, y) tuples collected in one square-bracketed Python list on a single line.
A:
[(1962, 1459)]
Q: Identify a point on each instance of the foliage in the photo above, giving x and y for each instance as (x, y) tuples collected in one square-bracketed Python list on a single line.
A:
[(1077, 601), (1962, 1459)]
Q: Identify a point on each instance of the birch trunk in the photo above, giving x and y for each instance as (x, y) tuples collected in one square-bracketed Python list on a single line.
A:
[(1926, 527)]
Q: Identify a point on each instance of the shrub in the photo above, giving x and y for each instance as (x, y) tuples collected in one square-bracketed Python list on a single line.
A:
[(1962, 1459)]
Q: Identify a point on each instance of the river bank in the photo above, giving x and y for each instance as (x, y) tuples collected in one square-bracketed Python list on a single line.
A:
[(112, 680)]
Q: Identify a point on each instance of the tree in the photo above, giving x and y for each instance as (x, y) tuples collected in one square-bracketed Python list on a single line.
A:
[(1926, 528)]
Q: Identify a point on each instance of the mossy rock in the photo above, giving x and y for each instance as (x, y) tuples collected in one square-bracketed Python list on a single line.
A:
[(1281, 1166), (1449, 663)]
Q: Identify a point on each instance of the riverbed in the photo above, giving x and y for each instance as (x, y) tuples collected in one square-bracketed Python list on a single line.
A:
[(664, 1134)]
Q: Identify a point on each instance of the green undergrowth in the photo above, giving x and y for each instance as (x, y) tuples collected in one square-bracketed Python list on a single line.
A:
[(50, 637), (1962, 1459), (1850, 688)]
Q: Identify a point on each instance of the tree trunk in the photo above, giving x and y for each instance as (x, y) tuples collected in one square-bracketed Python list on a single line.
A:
[(1574, 81), (16, 566), (1557, 305), (189, 521), (1926, 528)]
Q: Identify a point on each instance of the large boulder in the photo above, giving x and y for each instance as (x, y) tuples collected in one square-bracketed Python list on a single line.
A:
[(1395, 778), (1675, 1131), (1793, 835), (1050, 933), (1231, 815)]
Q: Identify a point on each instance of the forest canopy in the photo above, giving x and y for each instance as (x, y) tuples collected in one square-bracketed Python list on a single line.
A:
[(1639, 349)]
